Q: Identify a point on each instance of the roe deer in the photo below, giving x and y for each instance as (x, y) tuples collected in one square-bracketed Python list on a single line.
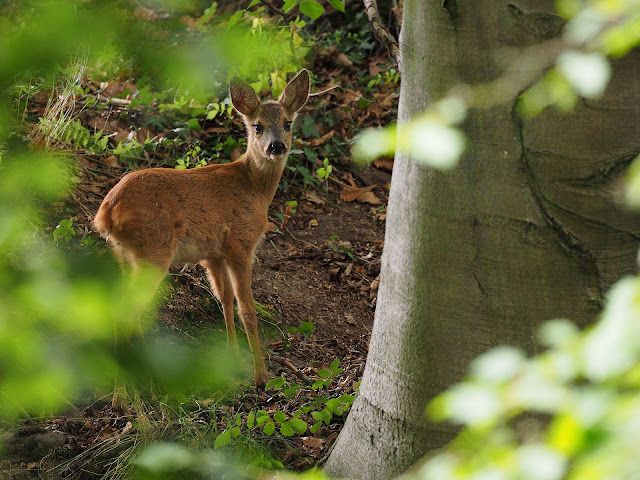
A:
[(214, 215)]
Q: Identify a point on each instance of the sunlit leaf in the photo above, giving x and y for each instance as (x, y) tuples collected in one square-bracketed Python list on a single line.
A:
[(588, 73), (433, 143), (165, 457), (539, 462), (311, 8), (337, 4), (584, 26), (497, 365), (632, 186), (470, 404), (556, 332), (611, 346)]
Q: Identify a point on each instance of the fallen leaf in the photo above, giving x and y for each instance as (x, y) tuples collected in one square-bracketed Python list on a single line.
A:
[(117, 87), (313, 443), (215, 130), (319, 141), (369, 197), (127, 427), (384, 163), (313, 223), (111, 161), (145, 133), (314, 198), (374, 68), (351, 192)]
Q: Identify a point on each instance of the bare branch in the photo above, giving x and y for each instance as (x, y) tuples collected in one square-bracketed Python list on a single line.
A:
[(380, 31)]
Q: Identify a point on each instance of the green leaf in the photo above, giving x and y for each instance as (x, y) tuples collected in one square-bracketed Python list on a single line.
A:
[(235, 18), (347, 398), (280, 417), (588, 73), (262, 419), (289, 5), (315, 427), (286, 430), (276, 383), (289, 392), (318, 384), (556, 332), (324, 373), (338, 5), (306, 328), (317, 416), (326, 416), (298, 425), (235, 432), (223, 439), (162, 457), (311, 8), (251, 419), (309, 129), (194, 124), (269, 428), (333, 404), (334, 365), (238, 419), (498, 365)]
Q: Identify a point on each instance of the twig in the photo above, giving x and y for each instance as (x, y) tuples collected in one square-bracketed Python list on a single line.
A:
[(324, 91), (286, 363), (121, 102), (380, 31), (273, 8)]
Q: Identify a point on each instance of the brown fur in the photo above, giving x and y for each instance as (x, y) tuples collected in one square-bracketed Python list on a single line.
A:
[(214, 215)]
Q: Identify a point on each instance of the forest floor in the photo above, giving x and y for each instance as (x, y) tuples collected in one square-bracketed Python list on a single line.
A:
[(320, 263)]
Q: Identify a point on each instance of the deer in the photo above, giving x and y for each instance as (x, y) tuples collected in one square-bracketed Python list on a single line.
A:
[(214, 215)]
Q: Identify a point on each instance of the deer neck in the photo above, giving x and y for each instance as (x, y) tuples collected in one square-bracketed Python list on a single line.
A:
[(264, 172)]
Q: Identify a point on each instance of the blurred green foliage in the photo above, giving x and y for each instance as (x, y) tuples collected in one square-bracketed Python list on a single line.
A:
[(571, 412), (60, 311)]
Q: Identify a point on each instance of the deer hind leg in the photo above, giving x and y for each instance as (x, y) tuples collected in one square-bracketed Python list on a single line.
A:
[(221, 284), (147, 269), (241, 279)]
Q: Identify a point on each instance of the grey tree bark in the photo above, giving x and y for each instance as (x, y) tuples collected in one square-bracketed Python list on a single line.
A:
[(526, 229)]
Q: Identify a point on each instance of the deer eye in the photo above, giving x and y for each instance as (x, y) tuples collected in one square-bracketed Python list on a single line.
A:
[(287, 126), (259, 128)]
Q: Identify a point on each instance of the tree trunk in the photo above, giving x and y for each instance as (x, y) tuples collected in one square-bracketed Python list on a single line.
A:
[(526, 229)]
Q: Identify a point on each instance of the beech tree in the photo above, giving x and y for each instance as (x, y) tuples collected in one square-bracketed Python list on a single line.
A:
[(529, 227)]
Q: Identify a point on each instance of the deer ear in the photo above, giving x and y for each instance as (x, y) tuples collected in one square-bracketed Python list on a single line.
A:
[(296, 92), (243, 97)]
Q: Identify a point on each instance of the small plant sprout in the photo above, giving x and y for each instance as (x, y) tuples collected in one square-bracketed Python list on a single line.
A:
[(290, 210), (191, 159), (64, 232), (324, 172)]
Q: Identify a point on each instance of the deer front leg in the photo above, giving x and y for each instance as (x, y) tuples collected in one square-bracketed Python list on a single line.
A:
[(221, 284), (241, 279)]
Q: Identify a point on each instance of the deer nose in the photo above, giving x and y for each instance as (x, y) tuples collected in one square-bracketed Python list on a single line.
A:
[(276, 148)]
